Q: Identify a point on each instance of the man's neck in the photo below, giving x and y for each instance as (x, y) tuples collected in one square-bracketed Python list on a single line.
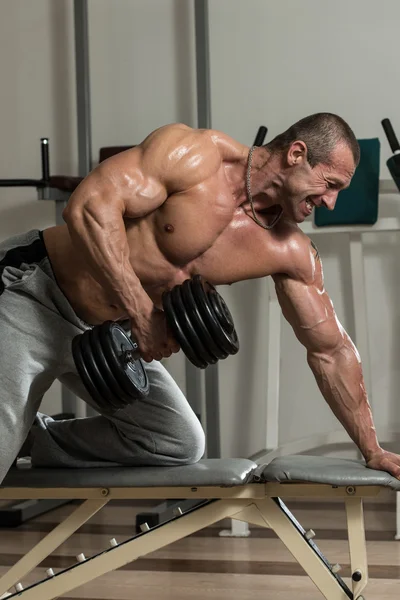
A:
[(265, 179)]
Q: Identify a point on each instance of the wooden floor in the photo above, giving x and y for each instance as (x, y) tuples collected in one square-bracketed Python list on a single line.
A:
[(206, 566)]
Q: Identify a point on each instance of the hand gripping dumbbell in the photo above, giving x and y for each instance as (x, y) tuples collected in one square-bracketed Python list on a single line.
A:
[(108, 360)]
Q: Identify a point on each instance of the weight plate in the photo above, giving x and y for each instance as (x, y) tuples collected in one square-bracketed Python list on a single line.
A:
[(130, 374), (84, 373), (224, 317), (89, 354), (228, 343), (189, 328), (213, 351), (130, 371), (221, 310), (175, 325), (120, 397)]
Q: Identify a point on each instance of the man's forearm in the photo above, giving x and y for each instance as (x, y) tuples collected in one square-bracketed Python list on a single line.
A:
[(339, 377), (106, 252)]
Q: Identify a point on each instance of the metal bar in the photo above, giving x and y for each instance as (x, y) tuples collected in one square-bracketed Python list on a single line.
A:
[(83, 86), (202, 64), (213, 427), (21, 183), (250, 490), (383, 224), (273, 367), (357, 544), (397, 536), (81, 23), (194, 388), (260, 137), (44, 150), (193, 380), (307, 554)]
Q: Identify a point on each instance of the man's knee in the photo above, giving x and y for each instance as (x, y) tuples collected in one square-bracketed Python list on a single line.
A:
[(196, 447), (190, 446)]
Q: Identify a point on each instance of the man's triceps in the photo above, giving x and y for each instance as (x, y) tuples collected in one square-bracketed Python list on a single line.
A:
[(309, 310)]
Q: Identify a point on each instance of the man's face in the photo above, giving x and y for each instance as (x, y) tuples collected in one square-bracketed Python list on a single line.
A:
[(306, 186)]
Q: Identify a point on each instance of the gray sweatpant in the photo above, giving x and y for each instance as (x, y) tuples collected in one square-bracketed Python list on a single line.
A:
[(37, 325)]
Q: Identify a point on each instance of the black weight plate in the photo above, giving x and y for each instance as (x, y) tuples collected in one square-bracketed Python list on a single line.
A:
[(130, 375), (89, 353), (228, 343), (116, 390), (188, 328), (83, 372), (221, 310), (134, 368), (224, 317), (213, 351), (175, 326)]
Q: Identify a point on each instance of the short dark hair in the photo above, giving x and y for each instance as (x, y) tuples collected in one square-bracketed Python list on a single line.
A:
[(321, 132)]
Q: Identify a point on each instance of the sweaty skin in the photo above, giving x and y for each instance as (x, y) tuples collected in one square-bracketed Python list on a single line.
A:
[(176, 205)]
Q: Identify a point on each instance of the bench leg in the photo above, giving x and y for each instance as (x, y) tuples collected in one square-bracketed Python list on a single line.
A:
[(276, 516), (49, 543), (357, 544), (136, 547)]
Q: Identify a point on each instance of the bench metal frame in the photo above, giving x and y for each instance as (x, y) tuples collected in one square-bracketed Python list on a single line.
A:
[(259, 504)]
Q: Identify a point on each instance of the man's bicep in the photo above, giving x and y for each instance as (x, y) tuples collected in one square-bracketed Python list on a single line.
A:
[(309, 310)]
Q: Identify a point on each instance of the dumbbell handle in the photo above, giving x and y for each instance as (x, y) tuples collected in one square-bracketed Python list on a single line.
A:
[(131, 355), (215, 337)]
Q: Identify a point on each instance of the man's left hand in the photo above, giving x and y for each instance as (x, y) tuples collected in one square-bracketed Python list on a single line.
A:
[(385, 461)]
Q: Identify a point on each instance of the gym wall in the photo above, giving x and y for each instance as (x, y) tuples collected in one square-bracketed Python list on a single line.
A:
[(272, 62), (37, 100)]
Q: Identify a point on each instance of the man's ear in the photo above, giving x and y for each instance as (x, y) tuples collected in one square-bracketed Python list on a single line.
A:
[(297, 153)]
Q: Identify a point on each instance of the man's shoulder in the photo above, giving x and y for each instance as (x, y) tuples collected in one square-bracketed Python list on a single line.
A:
[(185, 157), (231, 150), (174, 137)]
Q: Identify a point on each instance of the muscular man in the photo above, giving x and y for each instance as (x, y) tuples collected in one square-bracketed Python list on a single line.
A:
[(183, 202)]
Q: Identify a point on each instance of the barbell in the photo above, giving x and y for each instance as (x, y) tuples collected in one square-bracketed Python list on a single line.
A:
[(108, 360)]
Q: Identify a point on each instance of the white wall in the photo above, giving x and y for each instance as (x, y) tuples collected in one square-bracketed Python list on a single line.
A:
[(37, 100), (276, 61), (271, 63), (142, 68), (141, 56)]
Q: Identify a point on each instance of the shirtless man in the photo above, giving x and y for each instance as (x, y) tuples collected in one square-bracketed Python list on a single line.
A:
[(183, 202)]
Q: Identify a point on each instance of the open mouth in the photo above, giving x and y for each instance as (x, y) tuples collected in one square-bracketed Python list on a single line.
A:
[(309, 204)]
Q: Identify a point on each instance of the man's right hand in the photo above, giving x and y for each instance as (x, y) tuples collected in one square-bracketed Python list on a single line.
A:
[(153, 336)]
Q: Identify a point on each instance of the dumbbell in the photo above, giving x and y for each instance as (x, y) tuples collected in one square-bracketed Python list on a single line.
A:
[(108, 360)]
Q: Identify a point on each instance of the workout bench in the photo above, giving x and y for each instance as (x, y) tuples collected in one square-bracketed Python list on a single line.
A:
[(217, 489)]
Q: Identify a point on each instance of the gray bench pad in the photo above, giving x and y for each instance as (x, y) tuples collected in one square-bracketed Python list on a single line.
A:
[(322, 469), (227, 472)]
